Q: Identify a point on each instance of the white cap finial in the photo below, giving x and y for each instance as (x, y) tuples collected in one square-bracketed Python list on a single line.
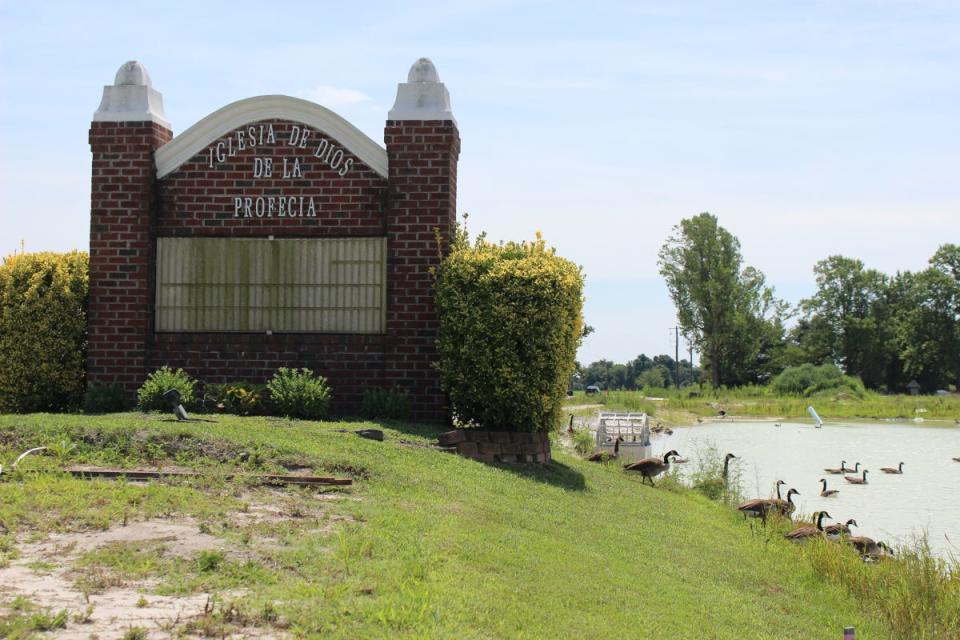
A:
[(422, 96), (132, 72), (423, 71), (131, 98)]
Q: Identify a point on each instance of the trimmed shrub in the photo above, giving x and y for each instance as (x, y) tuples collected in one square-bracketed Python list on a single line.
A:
[(808, 380), (43, 328), (510, 324), (240, 398), (385, 403), (103, 398), (150, 395), (299, 393)]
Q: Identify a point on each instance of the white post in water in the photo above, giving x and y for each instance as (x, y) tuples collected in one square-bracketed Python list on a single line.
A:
[(817, 422)]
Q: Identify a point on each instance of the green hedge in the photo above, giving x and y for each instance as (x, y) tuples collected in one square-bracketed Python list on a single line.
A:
[(510, 323), (43, 327), (808, 380)]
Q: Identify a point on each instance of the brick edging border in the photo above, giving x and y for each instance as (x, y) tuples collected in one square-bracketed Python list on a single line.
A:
[(498, 446)]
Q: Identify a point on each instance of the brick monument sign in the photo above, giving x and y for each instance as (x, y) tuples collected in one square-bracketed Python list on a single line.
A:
[(272, 233)]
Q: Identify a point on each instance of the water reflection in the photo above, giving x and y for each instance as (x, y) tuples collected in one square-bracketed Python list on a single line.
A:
[(894, 508)]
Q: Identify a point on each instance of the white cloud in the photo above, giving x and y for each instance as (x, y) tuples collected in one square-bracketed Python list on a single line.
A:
[(335, 97)]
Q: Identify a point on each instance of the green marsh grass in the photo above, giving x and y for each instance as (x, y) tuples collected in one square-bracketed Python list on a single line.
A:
[(763, 403)]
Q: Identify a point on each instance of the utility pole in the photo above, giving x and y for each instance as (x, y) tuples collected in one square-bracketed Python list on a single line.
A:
[(676, 354)]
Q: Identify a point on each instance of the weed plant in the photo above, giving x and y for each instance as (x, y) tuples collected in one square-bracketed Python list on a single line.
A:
[(104, 398), (583, 442), (238, 398), (299, 393), (150, 395), (390, 404)]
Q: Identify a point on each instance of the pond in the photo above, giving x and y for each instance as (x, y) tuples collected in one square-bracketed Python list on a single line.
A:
[(892, 508)]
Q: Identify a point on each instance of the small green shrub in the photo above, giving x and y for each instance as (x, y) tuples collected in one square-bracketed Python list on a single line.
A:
[(299, 393), (385, 403), (583, 442), (104, 398), (239, 398), (150, 395), (208, 561), (135, 633), (808, 380), (43, 331), (49, 621), (510, 325)]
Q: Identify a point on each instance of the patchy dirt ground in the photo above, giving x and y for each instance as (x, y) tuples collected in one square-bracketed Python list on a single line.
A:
[(44, 571)]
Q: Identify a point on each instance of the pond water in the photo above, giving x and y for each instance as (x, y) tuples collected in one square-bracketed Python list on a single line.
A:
[(892, 508)]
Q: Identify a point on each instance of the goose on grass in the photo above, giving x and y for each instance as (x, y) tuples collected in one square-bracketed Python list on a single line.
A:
[(603, 456), (806, 532), (834, 531), (650, 468)]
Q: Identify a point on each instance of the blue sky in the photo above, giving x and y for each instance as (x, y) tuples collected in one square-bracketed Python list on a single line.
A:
[(809, 128)]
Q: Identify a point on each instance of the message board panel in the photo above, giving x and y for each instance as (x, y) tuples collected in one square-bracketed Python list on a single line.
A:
[(255, 285)]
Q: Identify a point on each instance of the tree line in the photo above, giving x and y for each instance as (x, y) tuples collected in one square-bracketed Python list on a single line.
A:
[(886, 329), (643, 372)]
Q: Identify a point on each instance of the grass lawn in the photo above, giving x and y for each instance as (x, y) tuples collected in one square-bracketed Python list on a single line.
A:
[(678, 408), (423, 545)]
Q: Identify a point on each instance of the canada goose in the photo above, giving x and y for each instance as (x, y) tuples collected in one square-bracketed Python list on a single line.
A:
[(776, 424), (761, 507), (842, 469), (827, 493), (699, 420), (856, 480), (726, 465), (868, 548), (785, 507), (898, 469), (801, 534), (756, 508), (956, 459), (834, 531), (649, 468), (668, 431), (603, 456), (856, 468)]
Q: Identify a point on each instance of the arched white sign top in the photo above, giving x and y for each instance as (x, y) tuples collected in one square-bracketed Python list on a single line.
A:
[(236, 114)]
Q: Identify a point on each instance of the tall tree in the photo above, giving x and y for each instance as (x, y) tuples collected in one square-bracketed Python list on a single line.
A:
[(718, 302), (848, 319), (928, 327)]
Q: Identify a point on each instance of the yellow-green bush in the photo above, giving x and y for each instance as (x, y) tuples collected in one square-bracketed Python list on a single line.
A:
[(510, 323), (43, 327)]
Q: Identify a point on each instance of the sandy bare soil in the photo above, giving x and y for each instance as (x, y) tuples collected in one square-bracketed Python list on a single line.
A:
[(44, 573)]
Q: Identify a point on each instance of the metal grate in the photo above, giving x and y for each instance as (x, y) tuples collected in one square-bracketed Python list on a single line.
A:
[(318, 285)]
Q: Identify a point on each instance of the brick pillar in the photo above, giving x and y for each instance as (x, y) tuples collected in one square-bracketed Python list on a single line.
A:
[(423, 146), (127, 128)]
